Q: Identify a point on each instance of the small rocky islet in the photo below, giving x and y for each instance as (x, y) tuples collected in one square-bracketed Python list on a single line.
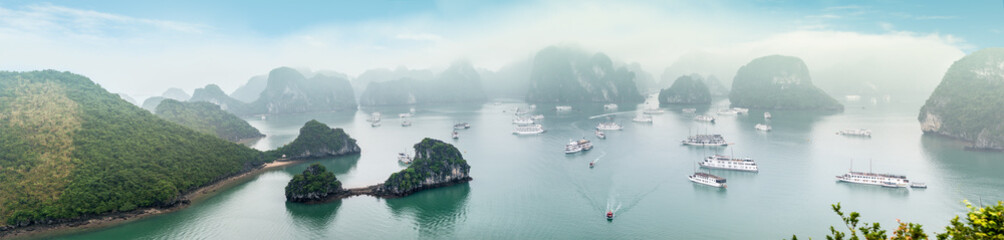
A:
[(436, 164)]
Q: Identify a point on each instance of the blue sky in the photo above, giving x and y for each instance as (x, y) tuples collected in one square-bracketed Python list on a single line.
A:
[(144, 47)]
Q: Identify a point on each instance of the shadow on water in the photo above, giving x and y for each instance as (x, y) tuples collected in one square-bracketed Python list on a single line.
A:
[(872, 189), (313, 217), (435, 211), (337, 165)]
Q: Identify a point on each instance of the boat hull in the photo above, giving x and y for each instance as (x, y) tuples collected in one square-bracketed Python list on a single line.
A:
[(709, 166)]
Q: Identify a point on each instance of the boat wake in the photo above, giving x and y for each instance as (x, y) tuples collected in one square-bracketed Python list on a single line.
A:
[(602, 153)]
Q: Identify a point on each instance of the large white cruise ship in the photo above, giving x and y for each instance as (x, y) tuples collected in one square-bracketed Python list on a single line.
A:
[(878, 179), (609, 126), (728, 163), (528, 129), (702, 140), (708, 179)]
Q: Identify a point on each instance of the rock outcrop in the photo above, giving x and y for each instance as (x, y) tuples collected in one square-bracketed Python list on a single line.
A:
[(436, 164), (686, 90), (460, 83), (778, 82), (570, 75), (969, 102), (318, 140), (316, 183)]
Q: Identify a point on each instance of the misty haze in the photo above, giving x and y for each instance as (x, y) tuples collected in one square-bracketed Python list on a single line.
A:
[(501, 120)]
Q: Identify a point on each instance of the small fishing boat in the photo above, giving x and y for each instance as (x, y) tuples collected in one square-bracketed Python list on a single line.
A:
[(766, 115), (763, 127), (459, 126), (601, 134), (610, 215), (918, 185), (375, 124), (609, 107), (456, 135), (405, 123), (689, 110), (591, 164), (404, 158), (563, 108)]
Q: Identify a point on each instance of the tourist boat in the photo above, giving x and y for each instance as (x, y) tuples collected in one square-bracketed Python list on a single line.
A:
[(405, 115), (405, 123), (586, 145), (728, 112), (455, 134), (374, 117), (856, 132), (728, 163), (918, 185), (702, 140), (600, 134), (642, 118), (610, 215), (404, 158), (591, 164), (689, 110), (375, 124), (459, 126), (572, 147), (563, 108), (609, 126), (763, 127), (766, 115), (653, 111), (880, 179), (708, 179), (537, 117), (609, 107), (519, 120), (740, 110), (528, 129), (704, 118)]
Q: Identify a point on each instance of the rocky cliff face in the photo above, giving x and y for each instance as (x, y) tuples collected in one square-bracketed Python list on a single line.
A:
[(778, 82), (318, 140), (436, 164), (314, 184), (570, 75), (288, 91), (969, 102), (686, 90)]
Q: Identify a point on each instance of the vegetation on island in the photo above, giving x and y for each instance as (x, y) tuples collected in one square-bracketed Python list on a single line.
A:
[(435, 162), (315, 183), (570, 75), (317, 140), (686, 90), (969, 101), (207, 118), (70, 149), (778, 82), (979, 223)]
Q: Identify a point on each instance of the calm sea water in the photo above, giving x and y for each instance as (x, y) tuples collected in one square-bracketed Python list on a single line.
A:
[(525, 187)]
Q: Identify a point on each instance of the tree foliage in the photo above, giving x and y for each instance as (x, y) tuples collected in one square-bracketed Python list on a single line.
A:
[(207, 118), (315, 180), (432, 158), (969, 102), (981, 223), (315, 138), (778, 82), (570, 75)]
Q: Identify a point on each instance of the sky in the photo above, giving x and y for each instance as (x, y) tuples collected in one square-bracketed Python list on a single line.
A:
[(141, 48)]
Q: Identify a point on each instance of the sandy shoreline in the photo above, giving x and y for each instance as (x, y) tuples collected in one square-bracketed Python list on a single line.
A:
[(115, 219)]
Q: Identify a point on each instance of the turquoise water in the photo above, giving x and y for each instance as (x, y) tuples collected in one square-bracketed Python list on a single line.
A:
[(525, 187)]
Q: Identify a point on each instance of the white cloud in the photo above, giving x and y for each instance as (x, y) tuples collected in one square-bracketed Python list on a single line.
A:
[(143, 57)]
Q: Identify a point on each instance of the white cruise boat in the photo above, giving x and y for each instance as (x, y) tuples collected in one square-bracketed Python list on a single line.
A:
[(642, 118), (704, 118), (459, 126), (766, 115), (728, 163), (708, 179), (689, 110), (856, 132), (742, 111), (520, 120), (404, 158), (609, 126), (878, 179), (572, 147), (654, 111), (728, 112), (703, 140), (762, 127), (609, 107), (563, 108), (374, 117), (528, 129), (537, 117), (600, 134)]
